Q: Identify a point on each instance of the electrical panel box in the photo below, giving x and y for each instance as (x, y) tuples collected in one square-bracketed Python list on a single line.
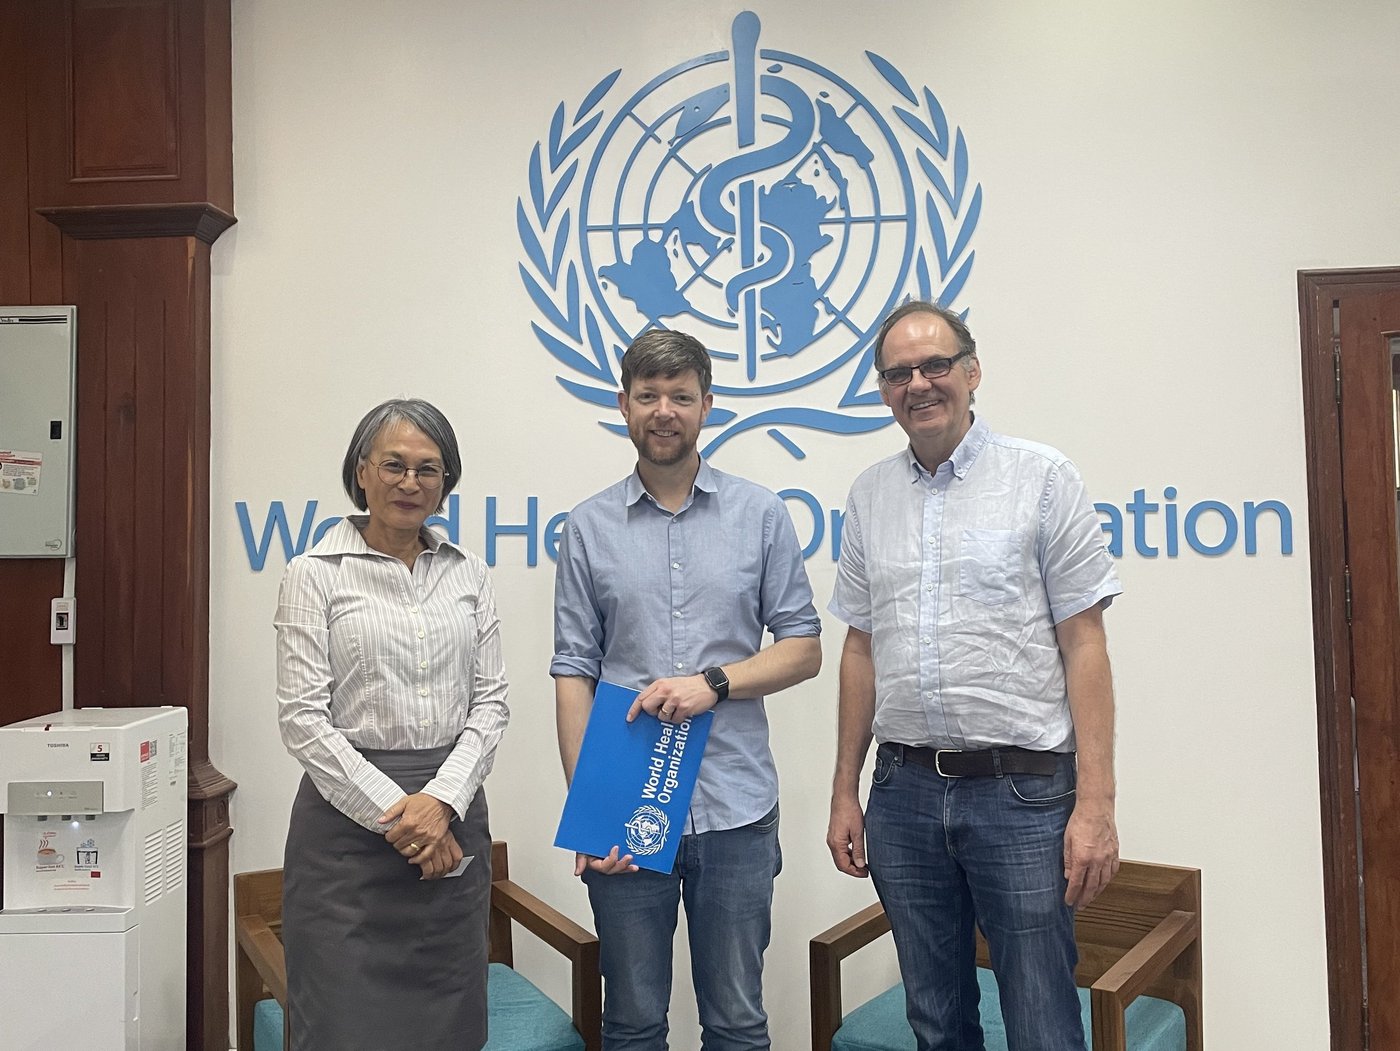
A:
[(38, 403)]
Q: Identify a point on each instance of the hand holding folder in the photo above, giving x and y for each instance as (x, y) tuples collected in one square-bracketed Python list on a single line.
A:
[(632, 782)]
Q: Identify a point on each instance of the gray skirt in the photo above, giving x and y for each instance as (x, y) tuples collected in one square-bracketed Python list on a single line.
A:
[(377, 959)]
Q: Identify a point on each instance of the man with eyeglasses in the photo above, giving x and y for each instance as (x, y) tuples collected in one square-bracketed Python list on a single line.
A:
[(973, 579)]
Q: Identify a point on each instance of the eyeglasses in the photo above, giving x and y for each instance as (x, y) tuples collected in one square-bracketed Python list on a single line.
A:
[(931, 369), (392, 472)]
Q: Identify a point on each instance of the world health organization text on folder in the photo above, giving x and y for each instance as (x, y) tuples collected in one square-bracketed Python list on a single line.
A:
[(632, 782)]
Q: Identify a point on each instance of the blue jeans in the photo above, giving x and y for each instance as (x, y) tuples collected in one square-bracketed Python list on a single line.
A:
[(948, 853), (726, 880)]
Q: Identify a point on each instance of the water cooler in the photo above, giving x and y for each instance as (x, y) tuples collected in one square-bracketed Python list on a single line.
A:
[(92, 933)]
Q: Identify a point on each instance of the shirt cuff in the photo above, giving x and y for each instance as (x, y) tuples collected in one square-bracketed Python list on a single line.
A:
[(581, 667), (840, 612), (1105, 594), (455, 796), (370, 795)]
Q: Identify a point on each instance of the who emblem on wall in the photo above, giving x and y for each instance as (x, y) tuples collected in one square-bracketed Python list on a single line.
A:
[(760, 202)]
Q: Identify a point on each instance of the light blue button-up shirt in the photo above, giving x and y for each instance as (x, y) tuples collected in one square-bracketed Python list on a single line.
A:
[(960, 577), (641, 594)]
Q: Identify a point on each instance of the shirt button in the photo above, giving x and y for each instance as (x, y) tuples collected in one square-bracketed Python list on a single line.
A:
[(414, 609), (424, 664), (421, 635), (422, 722), (927, 641), (675, 565), (676, 613), (928, 587), (423, 692), (679, 665), (933, 540)]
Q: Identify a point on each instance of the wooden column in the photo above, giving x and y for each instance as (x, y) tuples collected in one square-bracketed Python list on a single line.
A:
[(129, 139)]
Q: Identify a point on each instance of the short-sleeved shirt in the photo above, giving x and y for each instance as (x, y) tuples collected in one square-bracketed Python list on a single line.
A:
[(960, 577), (643, 594)]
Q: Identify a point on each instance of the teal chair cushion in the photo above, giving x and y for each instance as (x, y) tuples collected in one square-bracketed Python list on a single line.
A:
[(880, 1024), (519, 1018), (267, 1026)]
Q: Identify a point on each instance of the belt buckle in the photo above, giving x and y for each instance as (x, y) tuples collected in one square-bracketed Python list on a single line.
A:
[(938, 761)]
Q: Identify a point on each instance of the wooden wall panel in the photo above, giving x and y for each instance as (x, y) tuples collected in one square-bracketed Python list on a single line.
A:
[(138, 110), (14, 163), (33, 666), (33, 681), (143, 393), (122, 94)]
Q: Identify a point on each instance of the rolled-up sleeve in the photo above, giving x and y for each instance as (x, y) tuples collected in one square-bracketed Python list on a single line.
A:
[(786, 593), (578, 622)]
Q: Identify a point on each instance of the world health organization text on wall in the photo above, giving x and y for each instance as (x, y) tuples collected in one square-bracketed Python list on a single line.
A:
[(775, 209)]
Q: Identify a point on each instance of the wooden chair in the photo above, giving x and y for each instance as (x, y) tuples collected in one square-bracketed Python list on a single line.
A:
[(1140, 937), (262, 972)]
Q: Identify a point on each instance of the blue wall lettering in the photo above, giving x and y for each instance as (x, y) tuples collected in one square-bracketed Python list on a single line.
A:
[(310, 531), (1211, 527)]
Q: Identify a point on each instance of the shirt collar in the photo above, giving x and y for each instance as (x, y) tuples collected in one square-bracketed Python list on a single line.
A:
[(964, 456), (705, 481), (346, 539)]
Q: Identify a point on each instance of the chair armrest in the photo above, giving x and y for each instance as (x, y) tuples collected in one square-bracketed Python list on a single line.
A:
[(1138, 968), (825, 953), (854, 932), (544, 922), (565, 936), (262, 949)]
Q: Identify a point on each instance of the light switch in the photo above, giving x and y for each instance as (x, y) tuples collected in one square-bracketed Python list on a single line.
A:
[(61, 626)]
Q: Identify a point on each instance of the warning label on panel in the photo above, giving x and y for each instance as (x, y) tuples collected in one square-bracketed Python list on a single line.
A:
[(150, 784), (19, 472)]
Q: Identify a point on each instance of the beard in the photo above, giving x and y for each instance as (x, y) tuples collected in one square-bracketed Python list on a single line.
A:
[(662, 454)]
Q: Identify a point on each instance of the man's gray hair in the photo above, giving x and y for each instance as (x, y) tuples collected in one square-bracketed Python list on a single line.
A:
[(665, 352), (923, 306), (418, 413)]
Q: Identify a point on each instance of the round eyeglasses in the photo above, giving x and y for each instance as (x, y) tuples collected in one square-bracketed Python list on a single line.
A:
[(932, 369), (392, 472)]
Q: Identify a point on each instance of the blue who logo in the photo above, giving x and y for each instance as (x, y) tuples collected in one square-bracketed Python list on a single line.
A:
[(760, 202)]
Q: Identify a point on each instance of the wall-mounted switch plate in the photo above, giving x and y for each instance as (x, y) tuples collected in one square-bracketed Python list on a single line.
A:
[(61, 626)]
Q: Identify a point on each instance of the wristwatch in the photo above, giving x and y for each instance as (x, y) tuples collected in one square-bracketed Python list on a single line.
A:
[(719, 682)]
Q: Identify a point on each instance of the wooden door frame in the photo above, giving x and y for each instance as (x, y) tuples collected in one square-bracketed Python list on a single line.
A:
[(1318, 290)]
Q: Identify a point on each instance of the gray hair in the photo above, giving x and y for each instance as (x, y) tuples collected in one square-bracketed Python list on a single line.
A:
[(666, 352), (923, 306), (416, 412)]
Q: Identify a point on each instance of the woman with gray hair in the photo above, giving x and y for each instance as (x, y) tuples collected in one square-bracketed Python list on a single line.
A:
[(391, 693)]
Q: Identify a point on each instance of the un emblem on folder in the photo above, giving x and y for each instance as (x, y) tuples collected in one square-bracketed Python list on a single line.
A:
[(760, 202), (647, 831)]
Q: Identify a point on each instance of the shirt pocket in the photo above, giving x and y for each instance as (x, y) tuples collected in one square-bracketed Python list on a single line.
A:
[(989, 566)]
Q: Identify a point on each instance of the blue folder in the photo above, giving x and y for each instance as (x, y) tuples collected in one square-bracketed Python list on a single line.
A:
[(632, 782)]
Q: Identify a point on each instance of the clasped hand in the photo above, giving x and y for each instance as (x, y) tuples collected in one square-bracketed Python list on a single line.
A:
[(421, 832)]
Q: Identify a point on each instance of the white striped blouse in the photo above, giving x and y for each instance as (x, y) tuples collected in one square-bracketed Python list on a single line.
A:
[(373, 655)]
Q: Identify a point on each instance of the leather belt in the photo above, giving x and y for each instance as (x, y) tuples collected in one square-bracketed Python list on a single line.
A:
[(988, 762)]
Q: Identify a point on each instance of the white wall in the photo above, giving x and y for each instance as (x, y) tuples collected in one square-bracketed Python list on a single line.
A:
[(1154, 176)]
